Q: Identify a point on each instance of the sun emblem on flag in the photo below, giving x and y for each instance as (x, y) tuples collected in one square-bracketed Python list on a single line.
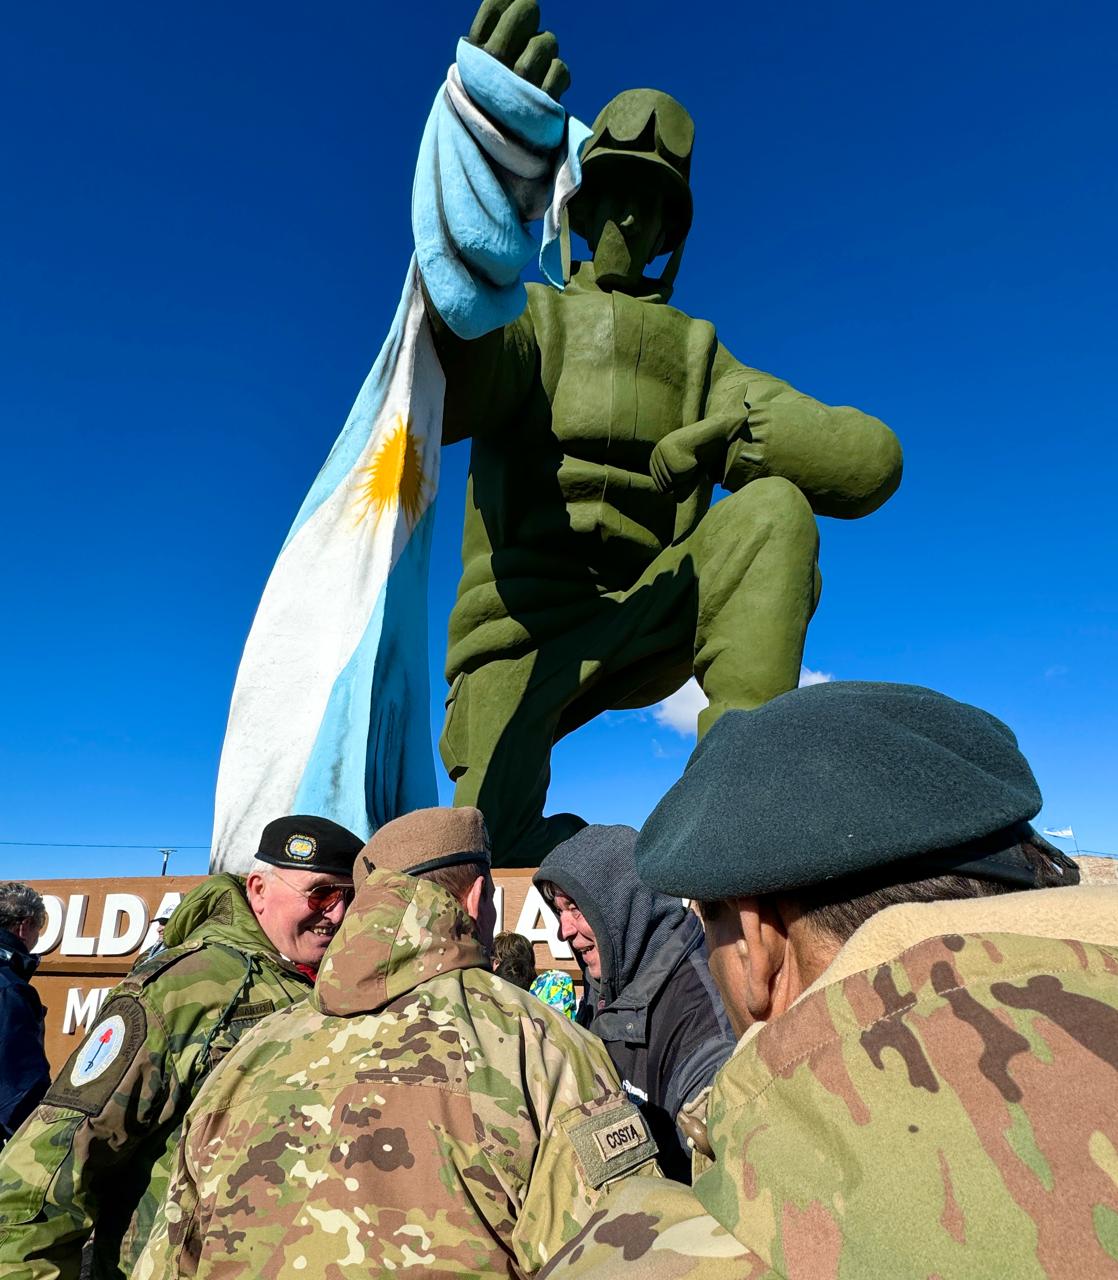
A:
[(394, 480)]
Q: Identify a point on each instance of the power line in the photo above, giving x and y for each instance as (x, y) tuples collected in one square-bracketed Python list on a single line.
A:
[(62, 844)]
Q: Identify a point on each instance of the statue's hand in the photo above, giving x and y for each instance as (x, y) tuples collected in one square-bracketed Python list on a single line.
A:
[(674, 465), (509, 31), (689, 453)]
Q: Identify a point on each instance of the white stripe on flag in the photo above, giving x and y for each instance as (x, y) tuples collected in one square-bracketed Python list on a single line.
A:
[(316, 608)]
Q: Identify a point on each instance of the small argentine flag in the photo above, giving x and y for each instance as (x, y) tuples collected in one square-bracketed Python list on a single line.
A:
[(330, 712)]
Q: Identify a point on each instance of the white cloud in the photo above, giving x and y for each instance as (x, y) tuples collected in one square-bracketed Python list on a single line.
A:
[(681, 710), (807, 676)]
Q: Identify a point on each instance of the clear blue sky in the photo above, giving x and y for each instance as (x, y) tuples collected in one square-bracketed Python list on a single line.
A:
[(204, 230)]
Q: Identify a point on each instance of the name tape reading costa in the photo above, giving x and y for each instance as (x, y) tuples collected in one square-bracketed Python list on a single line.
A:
[(610, 1143), (616, 1139)]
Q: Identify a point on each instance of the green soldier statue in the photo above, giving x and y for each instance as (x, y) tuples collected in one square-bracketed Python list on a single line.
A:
[(596, 573)]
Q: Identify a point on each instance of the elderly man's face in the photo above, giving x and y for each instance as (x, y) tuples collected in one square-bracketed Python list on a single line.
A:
[(574, 929), (300, 911)]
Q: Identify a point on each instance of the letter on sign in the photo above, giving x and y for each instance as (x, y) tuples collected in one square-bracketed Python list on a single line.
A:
[(114, 941), (50, 936), (73, 943), (81, 1012), (532, 913)]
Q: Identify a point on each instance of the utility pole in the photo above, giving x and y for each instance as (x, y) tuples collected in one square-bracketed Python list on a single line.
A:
[(166, 855)]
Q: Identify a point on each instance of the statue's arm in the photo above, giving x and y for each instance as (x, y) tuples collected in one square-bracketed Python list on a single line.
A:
[(488, 377), (846, 462)]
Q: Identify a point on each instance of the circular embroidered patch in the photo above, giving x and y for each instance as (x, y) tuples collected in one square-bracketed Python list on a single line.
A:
[(301, 847), (101, 1050)]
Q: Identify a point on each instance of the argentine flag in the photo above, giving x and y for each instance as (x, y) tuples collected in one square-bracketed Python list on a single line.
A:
[(330, 711)]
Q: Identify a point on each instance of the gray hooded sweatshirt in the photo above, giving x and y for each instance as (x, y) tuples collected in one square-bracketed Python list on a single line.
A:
[(655, 1006)]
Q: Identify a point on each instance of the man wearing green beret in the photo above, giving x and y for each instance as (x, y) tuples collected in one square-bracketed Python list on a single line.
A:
[(927, 1002), (96, 1156), (417, 1113)]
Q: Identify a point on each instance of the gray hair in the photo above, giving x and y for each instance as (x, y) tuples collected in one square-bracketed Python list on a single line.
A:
[(836, 909), (257, 867), (19, 902)]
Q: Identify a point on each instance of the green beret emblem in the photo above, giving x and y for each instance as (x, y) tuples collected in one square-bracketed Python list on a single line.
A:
[(302, 848)]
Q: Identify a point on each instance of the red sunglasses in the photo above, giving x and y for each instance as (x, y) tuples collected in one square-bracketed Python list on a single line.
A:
[(323, 896)]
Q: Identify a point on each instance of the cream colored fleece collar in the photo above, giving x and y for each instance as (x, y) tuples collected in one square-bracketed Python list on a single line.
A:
[(1084, 912)]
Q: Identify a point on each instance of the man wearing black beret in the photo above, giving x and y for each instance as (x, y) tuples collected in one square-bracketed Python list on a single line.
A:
[(300, 884), (926, 998), (100, 1149)]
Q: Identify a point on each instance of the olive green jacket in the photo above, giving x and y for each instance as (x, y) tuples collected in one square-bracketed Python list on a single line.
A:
[(418, 1114), (99, 1149), (942, 1102)]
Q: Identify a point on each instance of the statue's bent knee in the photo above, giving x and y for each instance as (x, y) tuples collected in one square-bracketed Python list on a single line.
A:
[(772, 506)]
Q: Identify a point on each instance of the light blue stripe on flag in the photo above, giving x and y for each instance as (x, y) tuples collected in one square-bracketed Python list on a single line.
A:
[(367, 768)]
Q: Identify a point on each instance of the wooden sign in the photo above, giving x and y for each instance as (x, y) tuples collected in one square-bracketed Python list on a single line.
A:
[(97, 929)]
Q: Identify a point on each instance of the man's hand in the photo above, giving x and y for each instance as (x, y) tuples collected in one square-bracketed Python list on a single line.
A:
[(509, 30)]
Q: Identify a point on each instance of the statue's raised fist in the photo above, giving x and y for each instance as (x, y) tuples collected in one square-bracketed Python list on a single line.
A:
[(509, 30)]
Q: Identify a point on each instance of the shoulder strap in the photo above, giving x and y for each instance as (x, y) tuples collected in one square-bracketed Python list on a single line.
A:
[(225, 1017), (151, 969)]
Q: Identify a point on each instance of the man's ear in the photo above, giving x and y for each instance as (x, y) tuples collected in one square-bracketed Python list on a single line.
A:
[(766, 944), (254, 891), (472, 901)]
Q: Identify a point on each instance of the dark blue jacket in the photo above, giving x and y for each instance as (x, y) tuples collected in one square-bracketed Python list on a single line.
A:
[(24, 1071)]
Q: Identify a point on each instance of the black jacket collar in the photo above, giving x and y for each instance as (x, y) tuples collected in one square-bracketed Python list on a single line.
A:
[(626, 1018), (16, 956)]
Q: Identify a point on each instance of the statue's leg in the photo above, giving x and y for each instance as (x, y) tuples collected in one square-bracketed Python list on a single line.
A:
[(501, 722), (755, 559), (504, 717)]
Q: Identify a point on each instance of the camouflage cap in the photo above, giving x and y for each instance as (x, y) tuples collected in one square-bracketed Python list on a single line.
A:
[(426, 840), (841, 778), (303, 842)]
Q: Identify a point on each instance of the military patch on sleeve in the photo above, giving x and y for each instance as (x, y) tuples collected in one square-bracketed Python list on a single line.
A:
[(610, 1144), (95, 1070)]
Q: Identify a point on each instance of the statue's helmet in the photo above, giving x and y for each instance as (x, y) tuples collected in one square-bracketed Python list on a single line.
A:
[(647, 127)]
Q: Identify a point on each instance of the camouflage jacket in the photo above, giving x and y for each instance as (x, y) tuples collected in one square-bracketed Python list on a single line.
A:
[(948, 1112), (99, 1149), (417, 1112)]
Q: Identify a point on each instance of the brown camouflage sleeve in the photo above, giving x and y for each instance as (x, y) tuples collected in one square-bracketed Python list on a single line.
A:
[(657, 1231), (582, 1153)]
